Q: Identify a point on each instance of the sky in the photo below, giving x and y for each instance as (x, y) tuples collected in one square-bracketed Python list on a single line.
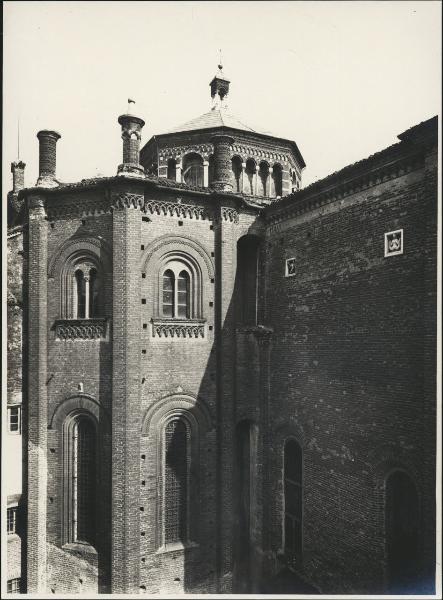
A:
[(342, 79)]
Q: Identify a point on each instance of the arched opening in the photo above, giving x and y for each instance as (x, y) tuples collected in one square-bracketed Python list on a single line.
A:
[(84, 480), (193, 169), (210, 169), (294, 181), (183, 304), (168, 293), (402, 533), (278, 179), (172, 164), (176, 291), (293, 502), (236, 173), (250, 173), (263, 179), (248, 248), (94, 291), (176, 481), (81, 479), (80, 294)]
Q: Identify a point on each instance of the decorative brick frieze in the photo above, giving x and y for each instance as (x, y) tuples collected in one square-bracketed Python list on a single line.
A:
[(174, 209), (178, 151), (312, 197), (79, 208), (176, 328), (229, 214), (81, 329), (128, 200)]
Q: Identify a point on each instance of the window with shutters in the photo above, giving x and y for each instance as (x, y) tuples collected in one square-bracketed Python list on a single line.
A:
[(176, 291), (14, 586), (12, 519), (293, 501), (176, 481)]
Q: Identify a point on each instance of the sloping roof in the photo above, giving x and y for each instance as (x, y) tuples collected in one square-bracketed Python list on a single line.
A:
[(213, 118)]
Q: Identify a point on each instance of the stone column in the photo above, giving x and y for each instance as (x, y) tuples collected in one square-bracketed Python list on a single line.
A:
[(178, 171), (271, 191), (255, 180), (126, 357), (205, 173), (222, 162), (47, 157), (37, 417), (244, 178)]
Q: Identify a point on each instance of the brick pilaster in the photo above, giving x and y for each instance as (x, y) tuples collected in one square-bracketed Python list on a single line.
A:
[(126, 400), (37, 397), (226, 261)]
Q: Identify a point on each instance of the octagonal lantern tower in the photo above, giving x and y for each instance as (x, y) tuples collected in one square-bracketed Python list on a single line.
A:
[(261, 164)]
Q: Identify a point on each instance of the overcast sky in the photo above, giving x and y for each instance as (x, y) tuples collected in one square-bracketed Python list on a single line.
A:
[(342, 79)]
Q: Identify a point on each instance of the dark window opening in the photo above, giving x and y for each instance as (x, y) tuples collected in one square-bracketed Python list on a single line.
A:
[(80, 294), (193, 169), (278, 179), (172, 164), (83, 480), (247, 279), (236, 173), (176, 481)]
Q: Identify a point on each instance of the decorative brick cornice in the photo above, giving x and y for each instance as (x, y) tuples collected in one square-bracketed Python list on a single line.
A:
[(176, 328), (82, 208), (229, 214), (176, 209), (336, 186), (127, 200), (81, 329)]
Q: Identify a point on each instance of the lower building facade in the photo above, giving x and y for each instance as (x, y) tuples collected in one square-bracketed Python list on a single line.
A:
[(219, 390)]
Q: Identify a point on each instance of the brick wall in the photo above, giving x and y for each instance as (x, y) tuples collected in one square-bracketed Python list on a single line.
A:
[(349, 372)]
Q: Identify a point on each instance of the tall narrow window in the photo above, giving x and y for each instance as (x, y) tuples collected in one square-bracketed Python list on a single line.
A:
[(247, 279), (293, 501), (80, 293), (93, 293), (176, 467), (83, 485), (236, 173), (168, 293), (402, 527), (176, 293), (14, 419), (172, 171), (278, 179), (12, 519), (183, 295)]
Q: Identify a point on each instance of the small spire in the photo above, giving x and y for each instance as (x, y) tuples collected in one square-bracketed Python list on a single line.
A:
[(18, 139), (219, 87)]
